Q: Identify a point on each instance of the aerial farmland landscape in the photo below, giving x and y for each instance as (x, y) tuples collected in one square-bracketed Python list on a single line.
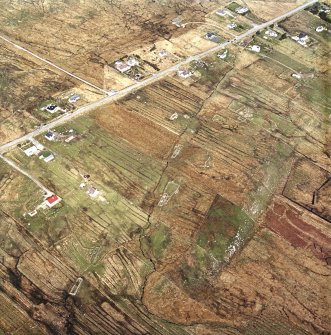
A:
[(165, 167)]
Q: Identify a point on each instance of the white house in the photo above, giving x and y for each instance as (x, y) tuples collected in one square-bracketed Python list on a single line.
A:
[(221, 12), (242, 10), (31, 151), (173, 117), (122, 67), (163, 53), (256, 48), (232, 25), (93, 192), (271, 33), (210, 36), (297, 75), (49, 158), (184, 73), (319, 29), (223, 55), (132, 61), (74, 98)]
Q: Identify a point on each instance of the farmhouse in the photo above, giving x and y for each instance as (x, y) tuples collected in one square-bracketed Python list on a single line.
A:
[(271, 33), (132, 61), (256, 48), (319, 29), (221, 12), (163, 53), (74, 98), (302, 39), (177, 21), (31, 151), (297, 75), (50, 136), (242, 10), (184, 73), (122, 67), (52, 200), (93, 192), (210, 36), (232, 25), (223, 55), (52, 108)]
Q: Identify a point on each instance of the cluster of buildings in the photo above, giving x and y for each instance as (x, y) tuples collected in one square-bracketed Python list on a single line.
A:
[(302, 39), (35, 149), (67, 137), (125, 66), (50, 201)]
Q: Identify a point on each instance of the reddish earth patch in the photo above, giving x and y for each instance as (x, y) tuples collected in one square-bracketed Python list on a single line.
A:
[(288, 222), (310, 186), (144, 134)]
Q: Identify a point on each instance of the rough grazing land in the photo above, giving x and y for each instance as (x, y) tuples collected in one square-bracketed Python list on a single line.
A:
[(194, 206)]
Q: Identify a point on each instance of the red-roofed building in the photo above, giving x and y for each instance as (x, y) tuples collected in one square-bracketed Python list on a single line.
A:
[(52, 200)]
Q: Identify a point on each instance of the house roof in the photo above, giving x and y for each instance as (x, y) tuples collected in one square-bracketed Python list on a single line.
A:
[(52, 199), (92, 190), (51, 107)]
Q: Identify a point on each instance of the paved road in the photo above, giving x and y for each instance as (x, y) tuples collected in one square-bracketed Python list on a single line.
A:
[(19, 169), (52, 64), (111, 96)]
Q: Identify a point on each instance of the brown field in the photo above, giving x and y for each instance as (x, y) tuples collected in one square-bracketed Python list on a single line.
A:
[(309, 186), (273, 8), (25, 86), (300, 231), (154, 140), (274, 266)]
